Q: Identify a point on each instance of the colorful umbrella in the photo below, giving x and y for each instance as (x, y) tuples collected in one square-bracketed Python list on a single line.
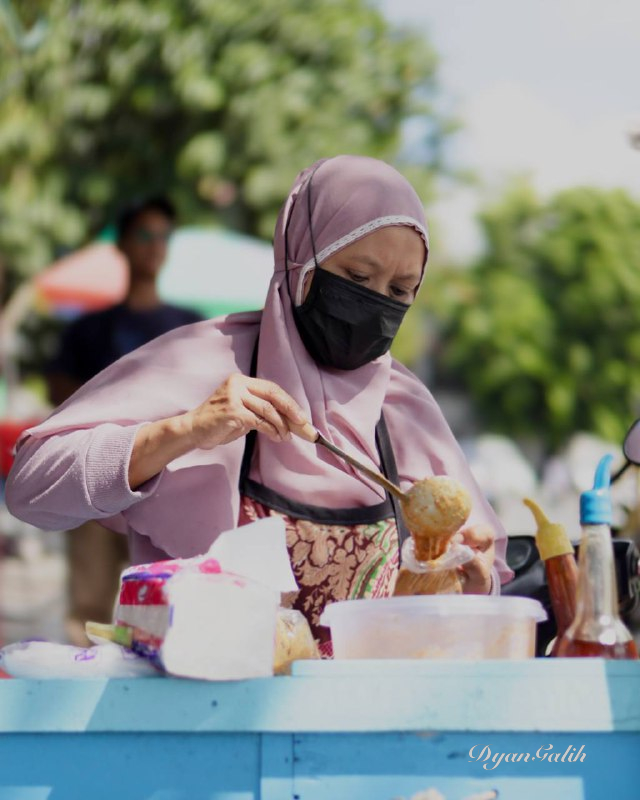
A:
[(212, 271), (88, 279)]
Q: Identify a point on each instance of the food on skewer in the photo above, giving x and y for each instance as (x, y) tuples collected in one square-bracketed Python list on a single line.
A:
[(435, 509)]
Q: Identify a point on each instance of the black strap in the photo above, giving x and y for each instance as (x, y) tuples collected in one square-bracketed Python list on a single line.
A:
[(250, 439), (390, 471)]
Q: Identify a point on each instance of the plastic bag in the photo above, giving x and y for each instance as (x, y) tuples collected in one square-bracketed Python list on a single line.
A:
[(454, 556), (39, 660), (439, 576), (294, 640), (213, 616)]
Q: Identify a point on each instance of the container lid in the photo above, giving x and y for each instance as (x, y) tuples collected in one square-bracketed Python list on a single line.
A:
[(595, 504), (440, 605)]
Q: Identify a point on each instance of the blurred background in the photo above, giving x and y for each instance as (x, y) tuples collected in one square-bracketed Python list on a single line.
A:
[(517, 123)]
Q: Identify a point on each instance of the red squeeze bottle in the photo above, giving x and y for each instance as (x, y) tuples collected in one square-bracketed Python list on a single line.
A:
[(556, 551)]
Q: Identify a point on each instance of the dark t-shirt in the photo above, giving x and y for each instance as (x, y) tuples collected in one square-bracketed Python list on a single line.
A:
[(93, 341)]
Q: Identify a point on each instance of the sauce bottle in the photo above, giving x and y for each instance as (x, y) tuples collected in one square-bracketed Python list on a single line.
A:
[(560, 566), (597, 630)]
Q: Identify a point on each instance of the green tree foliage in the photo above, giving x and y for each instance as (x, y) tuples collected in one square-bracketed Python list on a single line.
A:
[(545, 330), (220, 103)]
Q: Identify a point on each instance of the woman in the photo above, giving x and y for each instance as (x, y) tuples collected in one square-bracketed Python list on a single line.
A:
[(150, 450)]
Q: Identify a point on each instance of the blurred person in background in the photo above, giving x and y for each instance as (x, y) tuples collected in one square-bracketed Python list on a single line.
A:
[(88, 345)]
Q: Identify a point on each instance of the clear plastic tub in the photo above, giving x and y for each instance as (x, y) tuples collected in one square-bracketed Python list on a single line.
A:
[(438, 626)]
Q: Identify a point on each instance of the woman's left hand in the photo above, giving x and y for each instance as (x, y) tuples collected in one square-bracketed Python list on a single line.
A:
[(476, 574)]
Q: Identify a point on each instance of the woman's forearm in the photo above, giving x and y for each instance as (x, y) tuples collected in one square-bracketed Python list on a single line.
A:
[(60, 480), (156, 445)]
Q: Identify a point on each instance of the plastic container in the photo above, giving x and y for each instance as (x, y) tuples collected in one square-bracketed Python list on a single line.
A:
[(439, 626)]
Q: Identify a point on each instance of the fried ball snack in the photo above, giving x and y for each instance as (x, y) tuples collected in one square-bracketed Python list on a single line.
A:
[(434, 509)]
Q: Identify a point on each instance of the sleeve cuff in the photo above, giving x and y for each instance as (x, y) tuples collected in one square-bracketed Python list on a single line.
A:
[(107, 469), (495, 582)]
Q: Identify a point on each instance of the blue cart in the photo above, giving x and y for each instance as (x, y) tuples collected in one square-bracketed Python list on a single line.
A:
[(388, 730)]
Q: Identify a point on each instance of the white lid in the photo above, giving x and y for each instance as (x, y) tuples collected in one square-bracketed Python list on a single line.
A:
[(440, 605)]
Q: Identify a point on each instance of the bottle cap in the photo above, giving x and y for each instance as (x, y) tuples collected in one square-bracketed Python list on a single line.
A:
[(595, 504), (551, 538)]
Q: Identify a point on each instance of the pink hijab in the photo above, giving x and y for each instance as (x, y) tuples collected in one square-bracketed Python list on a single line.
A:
[(197, 496)]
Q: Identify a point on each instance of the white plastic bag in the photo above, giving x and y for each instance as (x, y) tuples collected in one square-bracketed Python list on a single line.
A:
[(41, 660), (438, 576), (454, 556), (222, 627)]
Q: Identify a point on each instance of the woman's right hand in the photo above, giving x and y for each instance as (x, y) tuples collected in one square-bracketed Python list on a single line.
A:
[(242, 404), (239, 405)]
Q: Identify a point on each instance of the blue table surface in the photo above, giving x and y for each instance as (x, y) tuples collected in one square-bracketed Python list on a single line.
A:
[(573, 695)]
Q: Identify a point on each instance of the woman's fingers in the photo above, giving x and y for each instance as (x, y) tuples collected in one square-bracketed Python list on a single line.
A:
[(263, 426), (272, 404), (242, 404), (476, 575), (278, 398), (267, 419), (253, 403), (477, 572), (479, 537)]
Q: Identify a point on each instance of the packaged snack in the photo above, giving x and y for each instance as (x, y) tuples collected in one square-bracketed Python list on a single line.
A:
[(212, 616), (294, 640), (143, 605)]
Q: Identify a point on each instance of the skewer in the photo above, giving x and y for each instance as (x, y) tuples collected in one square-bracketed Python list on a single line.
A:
[(309, 433)]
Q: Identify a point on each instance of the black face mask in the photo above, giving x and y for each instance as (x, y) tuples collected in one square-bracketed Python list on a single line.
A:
[(344, 325)]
